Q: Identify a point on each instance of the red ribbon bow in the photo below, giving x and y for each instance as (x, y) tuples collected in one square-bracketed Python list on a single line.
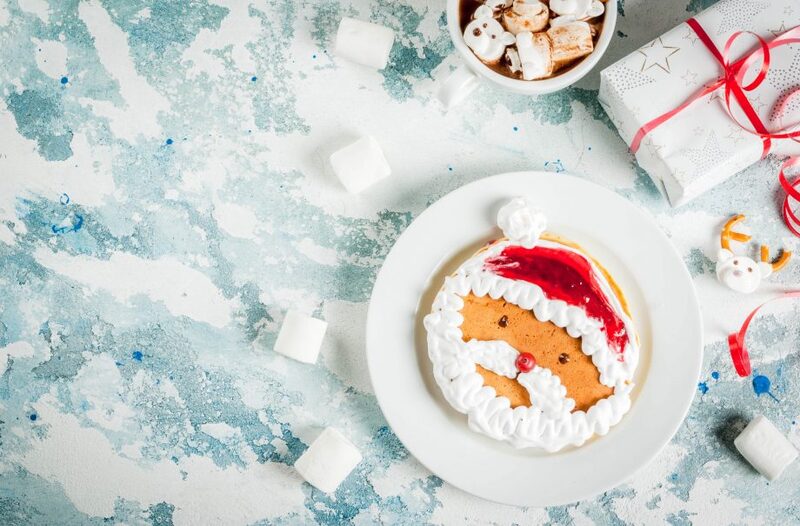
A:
[(739, 354), (732, 79)]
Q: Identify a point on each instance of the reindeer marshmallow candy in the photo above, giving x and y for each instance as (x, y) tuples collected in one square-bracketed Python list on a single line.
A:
[(741, 273), (532, 339)]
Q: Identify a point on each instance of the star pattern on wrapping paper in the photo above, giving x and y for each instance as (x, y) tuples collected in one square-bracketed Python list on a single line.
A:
[(785, 81), (781, 30), (652, 147), (788, 10), (625, 79), (690, 35), (735, 14), (735, 134), (690, 78), (698, 130), (715, 96), (757, 103), (706, 156), (656, 54)]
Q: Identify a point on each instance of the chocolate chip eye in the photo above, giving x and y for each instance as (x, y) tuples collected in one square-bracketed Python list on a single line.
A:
[(735, 261), (485, 25), (476, 32), (503, 322), (749, 269), (563, 358), (494, 36)]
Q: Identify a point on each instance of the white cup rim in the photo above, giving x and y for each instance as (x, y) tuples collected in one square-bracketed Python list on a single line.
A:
[(532, 87)]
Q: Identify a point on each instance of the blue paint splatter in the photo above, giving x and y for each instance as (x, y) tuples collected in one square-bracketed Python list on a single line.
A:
[(64, 199), (64, 80), (715, 375), (702, 387), (137, 355), (169, 140), (554, 166), (253, 78), (71, 223), (33, 417), (761, 385)]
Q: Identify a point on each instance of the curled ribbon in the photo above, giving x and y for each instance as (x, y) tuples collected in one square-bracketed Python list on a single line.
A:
[(732, 81), (736, 344)]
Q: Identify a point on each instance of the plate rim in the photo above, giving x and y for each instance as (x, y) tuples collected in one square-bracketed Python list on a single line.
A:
[(641, 214)]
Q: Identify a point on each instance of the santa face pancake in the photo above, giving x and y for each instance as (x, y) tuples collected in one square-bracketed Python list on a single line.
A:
[(531, 339)]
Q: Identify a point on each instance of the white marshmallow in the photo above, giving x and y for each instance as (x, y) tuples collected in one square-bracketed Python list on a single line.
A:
[(514, 64), (535, 53), (360, 164), (300, 337), (570, 42), (363, 42), (740, 273), (487, 37), (577, 9), (766, 448), (526, 15), (457, 87), (328, 461)]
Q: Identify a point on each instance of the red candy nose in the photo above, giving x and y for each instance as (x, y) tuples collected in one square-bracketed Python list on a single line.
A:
[(525, 362)]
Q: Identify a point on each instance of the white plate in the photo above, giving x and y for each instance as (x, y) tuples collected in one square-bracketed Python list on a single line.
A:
[(649, 271)]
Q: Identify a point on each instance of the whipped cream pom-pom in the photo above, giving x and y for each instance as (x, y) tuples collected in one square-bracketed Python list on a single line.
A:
[(521, 222)]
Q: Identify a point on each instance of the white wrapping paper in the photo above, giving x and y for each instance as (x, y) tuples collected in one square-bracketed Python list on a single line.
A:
[(701, 147)]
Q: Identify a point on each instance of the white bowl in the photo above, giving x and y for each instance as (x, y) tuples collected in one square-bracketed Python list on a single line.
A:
[(532, 87)]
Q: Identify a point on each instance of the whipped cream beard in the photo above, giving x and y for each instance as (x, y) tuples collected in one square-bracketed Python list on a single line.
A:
[(551, 421), (531, 39)]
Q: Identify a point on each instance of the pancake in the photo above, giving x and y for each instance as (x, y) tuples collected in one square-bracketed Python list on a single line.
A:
[(532, 338)]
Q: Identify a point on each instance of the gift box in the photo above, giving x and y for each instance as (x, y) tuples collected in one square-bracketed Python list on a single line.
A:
[(668, 98)]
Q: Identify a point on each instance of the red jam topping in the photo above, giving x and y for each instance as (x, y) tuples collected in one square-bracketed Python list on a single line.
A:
[(562, 275)]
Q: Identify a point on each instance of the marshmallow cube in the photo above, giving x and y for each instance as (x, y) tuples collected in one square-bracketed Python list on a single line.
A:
[(364, 43), (457, 87), (766, 448), (359, 165), (328, 461), (536, 55), (300, 337)]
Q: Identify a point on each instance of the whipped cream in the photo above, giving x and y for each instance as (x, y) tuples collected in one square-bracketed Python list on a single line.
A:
[(487, 37), (549, 422), (521, 222)]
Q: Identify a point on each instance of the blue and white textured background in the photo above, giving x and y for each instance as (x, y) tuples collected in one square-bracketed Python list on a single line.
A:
[(163, 201)]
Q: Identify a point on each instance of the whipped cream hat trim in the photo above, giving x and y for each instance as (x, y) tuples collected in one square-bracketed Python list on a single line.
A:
[(549, 423)]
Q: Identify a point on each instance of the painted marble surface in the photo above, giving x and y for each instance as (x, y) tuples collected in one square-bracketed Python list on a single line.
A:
[(163, 201)]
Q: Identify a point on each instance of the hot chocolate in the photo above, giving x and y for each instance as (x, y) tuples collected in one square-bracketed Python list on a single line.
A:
[(530, 39)]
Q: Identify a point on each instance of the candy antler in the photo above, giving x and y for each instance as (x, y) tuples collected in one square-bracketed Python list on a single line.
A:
[(780, 262), (727, 234)]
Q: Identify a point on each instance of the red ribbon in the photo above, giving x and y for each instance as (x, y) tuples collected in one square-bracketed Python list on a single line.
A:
[(739, 354), (789, 217), (733, 73)]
